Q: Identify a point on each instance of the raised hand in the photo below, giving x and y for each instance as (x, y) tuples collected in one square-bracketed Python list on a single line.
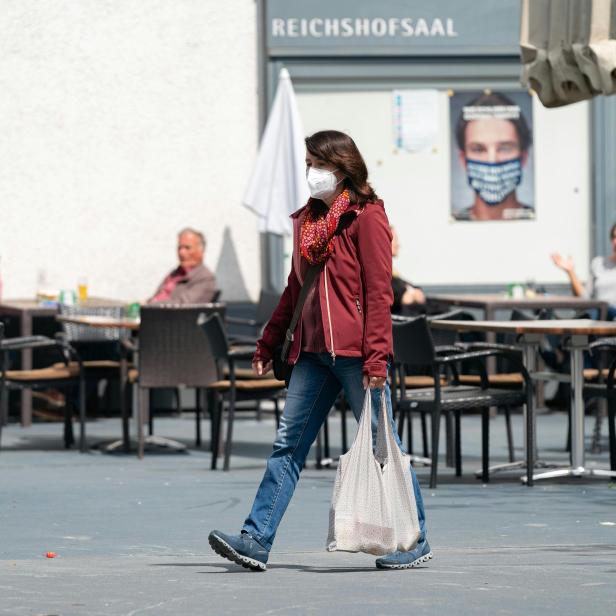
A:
[(564, 263)]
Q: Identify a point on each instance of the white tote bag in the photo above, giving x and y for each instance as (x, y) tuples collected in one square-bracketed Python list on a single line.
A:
[(373, 507)]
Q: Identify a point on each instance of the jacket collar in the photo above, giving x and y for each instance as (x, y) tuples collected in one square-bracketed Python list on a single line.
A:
[(353, 207)]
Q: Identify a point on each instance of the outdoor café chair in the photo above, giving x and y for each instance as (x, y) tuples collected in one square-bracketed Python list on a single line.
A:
[(67, 375), (172, 353), (420, 378), (606, 390), (232, 389), (602, 354), (102, 349), (414, 346), (268, 300), (501, 378)]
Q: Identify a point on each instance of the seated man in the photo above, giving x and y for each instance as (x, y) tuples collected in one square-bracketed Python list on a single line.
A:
[(191, 282)]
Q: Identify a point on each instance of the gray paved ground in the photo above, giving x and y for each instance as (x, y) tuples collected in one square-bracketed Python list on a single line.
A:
[(131, 537)]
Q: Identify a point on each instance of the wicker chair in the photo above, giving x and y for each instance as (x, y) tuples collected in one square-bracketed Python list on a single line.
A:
[(232, 389), (66, 375), (173, 352), (414, 346), (106, 345)]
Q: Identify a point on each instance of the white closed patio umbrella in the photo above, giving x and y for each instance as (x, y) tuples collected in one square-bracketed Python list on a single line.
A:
[(278, 186)]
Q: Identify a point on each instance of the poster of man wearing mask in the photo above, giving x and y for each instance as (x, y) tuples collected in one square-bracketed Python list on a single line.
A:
[(491, 156)]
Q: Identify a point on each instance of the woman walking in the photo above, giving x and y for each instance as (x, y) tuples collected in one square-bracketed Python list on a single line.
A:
[(342, 341)]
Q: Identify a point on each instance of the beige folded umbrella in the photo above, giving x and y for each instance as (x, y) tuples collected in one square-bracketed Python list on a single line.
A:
[(534, 39), (602, 43), (581, 36), (568, 49), (569, 83)]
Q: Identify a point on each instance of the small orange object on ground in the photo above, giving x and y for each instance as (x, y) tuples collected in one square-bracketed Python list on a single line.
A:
[(51, 554)]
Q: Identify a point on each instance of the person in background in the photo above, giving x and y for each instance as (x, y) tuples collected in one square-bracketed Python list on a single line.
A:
[(493, 149), (191, 282), (602, 280), (408, 299)]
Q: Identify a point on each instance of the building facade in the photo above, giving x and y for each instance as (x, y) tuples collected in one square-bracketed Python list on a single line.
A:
[(122, 122), (372, 69)]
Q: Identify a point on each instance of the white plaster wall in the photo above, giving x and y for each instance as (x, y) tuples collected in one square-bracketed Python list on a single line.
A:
[(122, 121)]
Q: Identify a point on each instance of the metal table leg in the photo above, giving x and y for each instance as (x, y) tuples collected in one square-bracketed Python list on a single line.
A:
[(577, 468), (530, 346), (139, 418), (25, 329)]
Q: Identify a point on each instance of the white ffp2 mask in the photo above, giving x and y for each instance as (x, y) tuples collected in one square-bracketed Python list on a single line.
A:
[(321, 183)]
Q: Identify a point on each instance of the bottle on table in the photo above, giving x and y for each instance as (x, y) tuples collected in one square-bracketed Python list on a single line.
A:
[(133, 310)]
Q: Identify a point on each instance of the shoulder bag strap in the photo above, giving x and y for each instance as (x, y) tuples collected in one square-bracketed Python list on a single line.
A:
[(309, 279)]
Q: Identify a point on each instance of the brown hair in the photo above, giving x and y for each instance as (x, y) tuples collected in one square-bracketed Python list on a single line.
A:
[(340, 150), (495, 100)]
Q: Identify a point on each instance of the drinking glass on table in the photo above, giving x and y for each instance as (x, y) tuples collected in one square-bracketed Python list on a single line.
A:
[(82, 289), (133, 310)]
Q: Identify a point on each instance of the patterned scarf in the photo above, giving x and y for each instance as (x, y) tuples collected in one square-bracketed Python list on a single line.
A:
[(317, 232)]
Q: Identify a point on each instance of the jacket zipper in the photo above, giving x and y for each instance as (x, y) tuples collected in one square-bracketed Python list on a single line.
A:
[(329, 317)]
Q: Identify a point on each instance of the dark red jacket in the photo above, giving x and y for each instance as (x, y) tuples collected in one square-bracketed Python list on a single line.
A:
[(354, 288)]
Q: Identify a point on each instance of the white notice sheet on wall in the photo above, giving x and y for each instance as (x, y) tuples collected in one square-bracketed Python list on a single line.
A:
[(415, 119)]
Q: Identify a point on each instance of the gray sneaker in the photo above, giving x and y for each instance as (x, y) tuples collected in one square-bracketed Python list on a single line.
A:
[(242, 549), (421, 553)]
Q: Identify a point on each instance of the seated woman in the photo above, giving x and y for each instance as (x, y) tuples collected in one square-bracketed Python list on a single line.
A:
[(602, 280), (408, 299)]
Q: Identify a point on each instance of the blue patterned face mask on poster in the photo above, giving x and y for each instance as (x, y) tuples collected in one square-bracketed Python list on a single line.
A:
[(494, 181)]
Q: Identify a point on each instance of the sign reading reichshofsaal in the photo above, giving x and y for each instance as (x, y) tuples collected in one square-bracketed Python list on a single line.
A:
[(366, 27)]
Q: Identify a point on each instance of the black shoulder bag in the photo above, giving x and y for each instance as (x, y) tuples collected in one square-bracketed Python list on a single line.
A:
[(282, 369)]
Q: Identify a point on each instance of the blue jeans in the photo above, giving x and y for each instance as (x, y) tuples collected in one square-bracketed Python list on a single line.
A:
[(315, 383), (593, 313)]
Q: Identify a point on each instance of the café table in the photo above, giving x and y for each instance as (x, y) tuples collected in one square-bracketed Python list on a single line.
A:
[(26, 311), (577, 333), (491, 303), (132, 324), (99, 321)]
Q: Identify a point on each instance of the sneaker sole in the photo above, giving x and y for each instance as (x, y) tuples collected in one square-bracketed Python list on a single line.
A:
[(222, 548), (415, 563)]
